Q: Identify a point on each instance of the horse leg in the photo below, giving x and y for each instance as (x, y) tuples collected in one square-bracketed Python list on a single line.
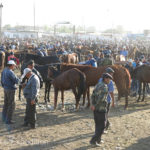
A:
[(118, 99), (55, 98), (62, 98), (45, 92), (140, 84), (84, 96), (76, 96), (126, 101), (20, 92), (88, 96), (49, 88), (144, 85)]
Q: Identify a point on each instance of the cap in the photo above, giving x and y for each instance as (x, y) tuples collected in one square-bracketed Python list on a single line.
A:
[(107, 75), (109, 70), (90, 55), (11, 62), (26, 70)]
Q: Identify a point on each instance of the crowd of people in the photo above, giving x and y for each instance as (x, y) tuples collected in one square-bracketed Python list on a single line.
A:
[(103, 93)]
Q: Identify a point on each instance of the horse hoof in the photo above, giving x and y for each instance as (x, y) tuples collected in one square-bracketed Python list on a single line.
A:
[(137, 100)]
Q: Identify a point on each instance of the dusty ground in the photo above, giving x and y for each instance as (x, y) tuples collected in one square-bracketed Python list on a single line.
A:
[(71, 130)]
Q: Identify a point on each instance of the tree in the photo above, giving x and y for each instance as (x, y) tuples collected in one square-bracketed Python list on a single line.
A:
[(7, 27)]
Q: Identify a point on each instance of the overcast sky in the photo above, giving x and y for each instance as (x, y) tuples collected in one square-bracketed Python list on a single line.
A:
[(132, 14)]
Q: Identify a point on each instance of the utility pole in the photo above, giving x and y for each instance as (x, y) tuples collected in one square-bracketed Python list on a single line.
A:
[(1, 6), (34, 14)]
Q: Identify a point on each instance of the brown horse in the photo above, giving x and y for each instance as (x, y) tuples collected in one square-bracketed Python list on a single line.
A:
[(142, 74), (122, 78), (72, 79), (70, 58)]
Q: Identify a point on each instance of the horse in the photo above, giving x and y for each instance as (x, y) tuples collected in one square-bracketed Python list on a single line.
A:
[(142, 74), (40, 60), (70, 58), (72, 79), (93, 75), (2, 60)]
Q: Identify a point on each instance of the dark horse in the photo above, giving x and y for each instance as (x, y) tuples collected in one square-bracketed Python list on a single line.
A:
[(142, 74), (39, 59), (72, 79), (43, 70)]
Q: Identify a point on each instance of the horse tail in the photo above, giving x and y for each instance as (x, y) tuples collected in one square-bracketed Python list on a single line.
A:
[(82, 85)]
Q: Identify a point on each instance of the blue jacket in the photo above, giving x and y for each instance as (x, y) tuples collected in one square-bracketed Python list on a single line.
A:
[(91, 62), (9, 79)]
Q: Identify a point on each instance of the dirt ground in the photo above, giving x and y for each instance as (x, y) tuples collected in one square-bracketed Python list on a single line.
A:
[(71, 130)]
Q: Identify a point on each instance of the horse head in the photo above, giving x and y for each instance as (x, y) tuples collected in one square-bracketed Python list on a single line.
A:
[(53, 72)]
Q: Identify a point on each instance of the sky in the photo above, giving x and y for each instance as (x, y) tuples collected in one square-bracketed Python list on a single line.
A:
[(133, 15)]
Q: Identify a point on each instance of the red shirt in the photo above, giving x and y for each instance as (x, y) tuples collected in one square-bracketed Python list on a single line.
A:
[(12, 57)]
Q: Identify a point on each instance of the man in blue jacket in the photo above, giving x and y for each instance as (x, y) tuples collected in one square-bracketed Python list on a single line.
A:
[(91, 61), (8, 81), (31, 92)]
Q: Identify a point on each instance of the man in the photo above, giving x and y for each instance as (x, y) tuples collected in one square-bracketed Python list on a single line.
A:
[(8, 81), (91, 61), (99, 107), (31, 92), (124, 52), (39, 52), (12, 57), (129, 65), (31, 65), (110, 96), (107, 60)]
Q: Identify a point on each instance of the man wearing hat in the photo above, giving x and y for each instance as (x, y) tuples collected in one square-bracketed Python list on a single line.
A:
[(31, 92), (12, 57), (91, 61), (110, 96), (31, 65), (9, 81), (99, 107)]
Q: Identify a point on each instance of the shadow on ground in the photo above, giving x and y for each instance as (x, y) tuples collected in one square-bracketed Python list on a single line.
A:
[(53, 144), (142, 144)]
